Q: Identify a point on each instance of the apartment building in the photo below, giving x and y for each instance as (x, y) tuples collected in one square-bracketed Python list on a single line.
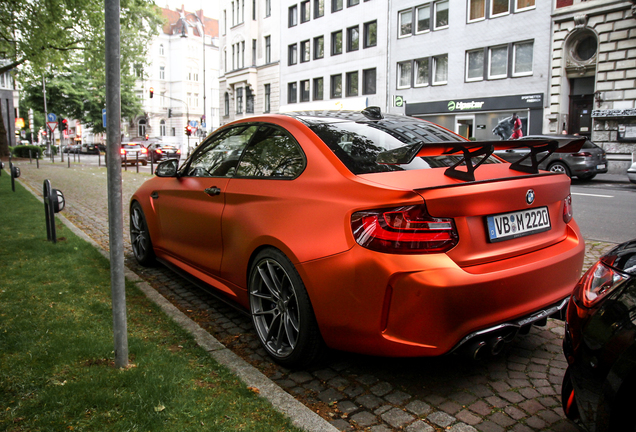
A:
[(334, 54), (250, 54), (593, 85), (183, 76), (469, 65)]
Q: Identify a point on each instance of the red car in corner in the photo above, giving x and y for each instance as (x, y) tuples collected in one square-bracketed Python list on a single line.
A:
[(378, 234)]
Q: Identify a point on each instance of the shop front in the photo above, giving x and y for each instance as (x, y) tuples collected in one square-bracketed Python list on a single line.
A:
[(489, 118)]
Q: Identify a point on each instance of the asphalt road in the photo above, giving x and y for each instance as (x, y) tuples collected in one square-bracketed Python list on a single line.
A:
[(605, 209)]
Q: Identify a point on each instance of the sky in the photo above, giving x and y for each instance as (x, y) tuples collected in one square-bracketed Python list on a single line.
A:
[(210, 7)]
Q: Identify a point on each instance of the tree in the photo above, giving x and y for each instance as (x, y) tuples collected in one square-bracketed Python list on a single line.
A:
[(43, 36)]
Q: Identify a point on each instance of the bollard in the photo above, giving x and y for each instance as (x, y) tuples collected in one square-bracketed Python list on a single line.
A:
[(68, 160), (126, 161), (152, 168), (30, 161), (99, 158), (137, 161), (79, 154), (53, 203), (15, 173)]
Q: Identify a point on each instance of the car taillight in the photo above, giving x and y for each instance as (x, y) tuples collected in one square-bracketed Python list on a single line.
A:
[(122, 151), (597, 283), (144, 150), (403, 230), (158, 151), (178, 151), (568, 212), (581, 154)]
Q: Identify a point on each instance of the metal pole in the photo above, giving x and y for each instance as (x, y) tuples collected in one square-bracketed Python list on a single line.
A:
[(46, 116), (115, 206)]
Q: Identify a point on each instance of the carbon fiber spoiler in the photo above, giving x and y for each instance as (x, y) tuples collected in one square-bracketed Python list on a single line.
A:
[(473, 149)]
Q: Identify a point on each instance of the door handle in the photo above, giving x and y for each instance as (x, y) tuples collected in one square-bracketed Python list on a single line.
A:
[(212, 191), (154, 195)]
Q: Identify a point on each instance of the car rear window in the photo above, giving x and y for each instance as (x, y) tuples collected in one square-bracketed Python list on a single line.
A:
[(130, 146), (357, 144)]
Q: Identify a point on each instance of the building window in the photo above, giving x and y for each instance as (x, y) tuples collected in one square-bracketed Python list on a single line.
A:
[(162, 72), (476, 10), (318, 88), (162, 128), (239, 100), (249, 101), (404, 74), (139, 71), (368, 81), (141, 127), (336, 86), (161, 50), (304, 91), (423, 19), (336, 5), (196, 100), (254, 10), (352, 3), (224, 22), (292, 19), (292, 93), (441, 14), (268, 49), (475, 65), (405, 23), (173, 132), (319, 8), (524, 4), (522, 59), (353, 38), (268, 8), (226, 106), (305, 11), (499, 7), (421, 72), (189, 99), (498, 62), (370, 34), (243, 54), (267, 104), (253, 52), (292, 54), (352, 83), (440, 64), (319, 47), (336, 42), (304, 51)]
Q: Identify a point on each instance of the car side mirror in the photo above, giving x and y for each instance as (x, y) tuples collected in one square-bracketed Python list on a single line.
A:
[(167, 168)]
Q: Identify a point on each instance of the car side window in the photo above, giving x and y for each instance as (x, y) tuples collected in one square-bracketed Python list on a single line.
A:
[(219, 156), (273, 153)]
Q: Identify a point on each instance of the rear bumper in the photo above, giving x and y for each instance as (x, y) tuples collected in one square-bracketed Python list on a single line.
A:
[(396, 305)]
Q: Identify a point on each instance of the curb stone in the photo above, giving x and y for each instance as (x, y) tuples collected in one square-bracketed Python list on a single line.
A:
[(299, 414)]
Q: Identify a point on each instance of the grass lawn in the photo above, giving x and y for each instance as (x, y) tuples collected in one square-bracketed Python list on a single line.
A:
[(56, 345)]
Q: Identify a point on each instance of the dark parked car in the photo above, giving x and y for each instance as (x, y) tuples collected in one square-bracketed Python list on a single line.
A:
[(599, 387), (72, 148), (89, 149), (133, 153), (584, 164), (159, 151)]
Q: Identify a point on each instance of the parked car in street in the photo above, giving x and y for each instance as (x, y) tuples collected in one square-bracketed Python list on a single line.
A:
[(379, 234), (133, 154), (89, 149), (599, 387), (160, 151), (72, 148), (584, 164), (631, 171)]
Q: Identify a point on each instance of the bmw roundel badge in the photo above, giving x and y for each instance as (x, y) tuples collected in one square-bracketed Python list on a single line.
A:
[(529, 197)]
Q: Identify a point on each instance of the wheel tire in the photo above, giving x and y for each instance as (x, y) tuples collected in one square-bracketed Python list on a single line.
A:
[(568, 400), (281, 311), (140, 237), (144, 163), (559, 167)]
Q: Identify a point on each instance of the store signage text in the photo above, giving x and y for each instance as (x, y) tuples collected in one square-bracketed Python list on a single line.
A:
[(461, 106)]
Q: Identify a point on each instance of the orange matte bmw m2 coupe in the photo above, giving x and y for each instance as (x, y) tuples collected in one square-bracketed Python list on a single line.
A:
[(379, 234)]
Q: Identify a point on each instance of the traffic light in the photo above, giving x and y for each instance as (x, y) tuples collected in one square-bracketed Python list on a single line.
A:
[(152, 92), (147, 137), (64, 125), (188, 130), (169, 112)]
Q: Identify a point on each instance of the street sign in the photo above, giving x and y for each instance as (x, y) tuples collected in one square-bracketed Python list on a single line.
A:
[(52, 125), (193, 123), (50, 117), (399, 101), (104, 117)]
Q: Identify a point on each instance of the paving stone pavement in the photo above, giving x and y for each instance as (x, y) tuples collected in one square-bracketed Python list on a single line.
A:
[(519, 390)]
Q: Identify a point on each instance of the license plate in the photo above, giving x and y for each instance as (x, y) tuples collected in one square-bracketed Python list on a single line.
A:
[(507, 226), (601, 166)]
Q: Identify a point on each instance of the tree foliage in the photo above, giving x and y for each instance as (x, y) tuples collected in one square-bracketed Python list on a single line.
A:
[(63, 41)]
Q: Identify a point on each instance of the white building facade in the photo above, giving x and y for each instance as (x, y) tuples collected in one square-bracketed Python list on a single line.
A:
[(183, 76), (249, 58)]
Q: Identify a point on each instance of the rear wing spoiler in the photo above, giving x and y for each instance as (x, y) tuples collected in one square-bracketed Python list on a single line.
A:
[(473, 149)]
